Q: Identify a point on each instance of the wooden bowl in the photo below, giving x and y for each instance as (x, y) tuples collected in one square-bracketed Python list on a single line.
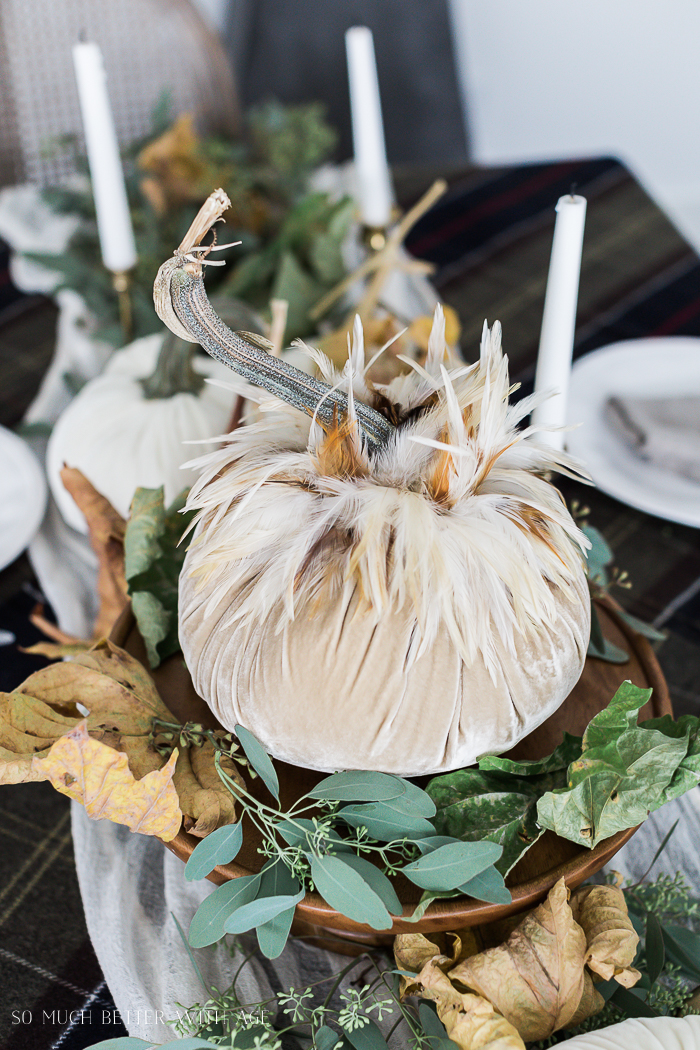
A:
[(533, 876)]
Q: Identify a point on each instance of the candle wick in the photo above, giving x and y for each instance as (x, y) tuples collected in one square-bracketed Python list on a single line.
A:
[(572, 191), (82, 36)]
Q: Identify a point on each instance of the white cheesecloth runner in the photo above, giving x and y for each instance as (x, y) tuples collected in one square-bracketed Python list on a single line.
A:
[(130, 884)]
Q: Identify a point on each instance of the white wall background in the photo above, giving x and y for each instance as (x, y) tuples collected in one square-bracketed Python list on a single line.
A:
[(549, 79)]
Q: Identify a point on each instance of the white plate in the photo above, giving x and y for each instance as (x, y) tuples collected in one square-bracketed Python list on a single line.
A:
[(22, 496), (664, 367)]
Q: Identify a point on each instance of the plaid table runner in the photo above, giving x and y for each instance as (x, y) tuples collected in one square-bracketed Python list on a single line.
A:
[(490, 239)]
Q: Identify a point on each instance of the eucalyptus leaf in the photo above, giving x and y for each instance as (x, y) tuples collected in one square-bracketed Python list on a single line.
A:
[(654, 948), (272, 935), (385, 821), (346, 891), (260, 911), (450, 866), (219, 847), (190, 1042), (369, 1037), (600, 647), (376, 879), (207, 925), (646, 629), (259, 760), (245, 1038), (599, 556), (358, 786), (631, 1004), (300, 832), (682, 947), (433, 1027), (325, 1038), (489, 886), (124, 1042)]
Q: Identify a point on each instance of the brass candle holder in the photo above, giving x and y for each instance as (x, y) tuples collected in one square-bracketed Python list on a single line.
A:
[(121, 282)]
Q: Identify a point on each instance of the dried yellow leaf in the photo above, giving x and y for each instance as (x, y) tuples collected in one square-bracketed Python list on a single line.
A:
[(611, 938), (413, 950), (536, 979), (122, 701), (99, 777), (470, 1020)]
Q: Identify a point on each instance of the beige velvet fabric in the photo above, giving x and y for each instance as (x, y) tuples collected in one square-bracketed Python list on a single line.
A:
[(333, 691)]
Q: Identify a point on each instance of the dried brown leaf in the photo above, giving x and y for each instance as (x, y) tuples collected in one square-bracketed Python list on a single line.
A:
[(99, 777), (122, 702), (611, 938), (107, 528), (536, 979), (413, 950), (470, 1020)]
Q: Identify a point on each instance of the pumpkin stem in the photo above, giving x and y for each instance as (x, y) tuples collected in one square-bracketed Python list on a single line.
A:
[(174, 372)]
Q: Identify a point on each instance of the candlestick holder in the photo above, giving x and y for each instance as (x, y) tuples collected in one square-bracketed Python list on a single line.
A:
[(374, 237), (121, 282)]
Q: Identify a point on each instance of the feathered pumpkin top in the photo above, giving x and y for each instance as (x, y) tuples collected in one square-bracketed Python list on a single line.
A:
[(452, 516)]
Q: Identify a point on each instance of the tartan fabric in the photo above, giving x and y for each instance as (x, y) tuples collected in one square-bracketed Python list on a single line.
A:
[(490, 239)]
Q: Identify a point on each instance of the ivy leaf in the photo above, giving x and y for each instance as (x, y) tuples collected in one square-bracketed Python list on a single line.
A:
[(259, 760), (359, 786), (450, 866), (220, 847), (207, 924), (625, 771), (473, 806), (152, 564), (346, 891), (560, 758)]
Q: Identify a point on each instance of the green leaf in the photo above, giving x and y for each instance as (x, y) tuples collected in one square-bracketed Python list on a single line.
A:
[(301, 292), (450, 866), (219, 847), (123, 1042), (647, 629), (488, 885), (295, 835), (272, 935), (625, 771), (434, 1028), (631, 1005), (386, 821), (600, 647), (259, 760), (358, 786), (421, 908), (346, 891), (474, 806), (654, 948), (207, 924), (190, 1042), (325, 1038), (369, 1037), (152, 564), (598, 556), (682, 947), (260, 911), (560, 758), (376, 880), (244, 1038)]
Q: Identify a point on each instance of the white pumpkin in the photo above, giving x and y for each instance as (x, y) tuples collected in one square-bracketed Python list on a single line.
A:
[(406, 609), (641, 1033), (121, 440)]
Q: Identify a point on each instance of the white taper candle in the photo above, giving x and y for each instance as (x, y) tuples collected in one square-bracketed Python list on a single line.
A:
[(111, 205), (559, 318), (371, 167)]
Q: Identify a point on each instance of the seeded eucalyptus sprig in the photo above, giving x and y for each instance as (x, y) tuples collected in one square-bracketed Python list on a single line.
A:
[(345, 838)]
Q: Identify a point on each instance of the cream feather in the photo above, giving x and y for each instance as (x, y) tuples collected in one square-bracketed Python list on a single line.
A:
[(453, 516)]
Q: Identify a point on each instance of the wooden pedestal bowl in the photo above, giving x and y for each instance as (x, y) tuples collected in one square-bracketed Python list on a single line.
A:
[(530, 880)]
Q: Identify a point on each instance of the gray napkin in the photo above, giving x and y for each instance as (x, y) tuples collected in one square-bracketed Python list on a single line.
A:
[(664, 431)]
